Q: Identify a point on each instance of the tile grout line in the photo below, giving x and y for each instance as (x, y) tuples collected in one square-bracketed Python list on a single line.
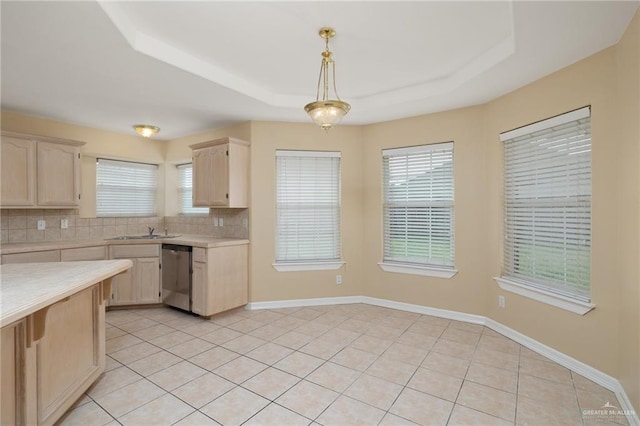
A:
[(333, 326)]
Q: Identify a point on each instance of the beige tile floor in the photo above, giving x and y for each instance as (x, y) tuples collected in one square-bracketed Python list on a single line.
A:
[(327, 365)]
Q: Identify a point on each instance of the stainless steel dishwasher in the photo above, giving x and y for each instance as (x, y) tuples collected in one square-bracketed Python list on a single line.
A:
[(176, 276)]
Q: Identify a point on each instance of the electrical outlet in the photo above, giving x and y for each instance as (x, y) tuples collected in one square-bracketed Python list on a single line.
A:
[(220, 221), (245, 223), (501, 301), (42, 225), (215, 221), (338, 279), (64, 223)]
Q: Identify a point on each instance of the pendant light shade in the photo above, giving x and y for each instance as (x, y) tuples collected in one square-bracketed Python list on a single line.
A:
[(326, 112)]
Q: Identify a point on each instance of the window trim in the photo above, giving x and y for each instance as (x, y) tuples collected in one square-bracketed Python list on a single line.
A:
[(425, 271), (428, 270), (523, 288), (308, 266)]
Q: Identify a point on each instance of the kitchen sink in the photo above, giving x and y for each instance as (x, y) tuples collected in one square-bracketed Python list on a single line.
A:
[(143, 237)]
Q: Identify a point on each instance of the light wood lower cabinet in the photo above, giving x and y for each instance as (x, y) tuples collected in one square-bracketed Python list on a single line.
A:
[(50, 358), (64, 255), (32, 257), (83, 253), (140, 284), (220, 279)]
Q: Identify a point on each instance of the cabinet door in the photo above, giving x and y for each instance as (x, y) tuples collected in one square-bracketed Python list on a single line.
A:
[(58, 174), (233, 275), (122, 291), (219, 189), (201, 177), (18, 172), (198, 288), (147, 280)]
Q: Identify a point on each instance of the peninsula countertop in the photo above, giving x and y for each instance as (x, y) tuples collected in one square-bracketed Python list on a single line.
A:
[(203, 241), (28, 287)]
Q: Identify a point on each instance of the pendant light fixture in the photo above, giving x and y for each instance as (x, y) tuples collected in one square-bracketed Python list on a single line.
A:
[(145, 130), (327, 112)]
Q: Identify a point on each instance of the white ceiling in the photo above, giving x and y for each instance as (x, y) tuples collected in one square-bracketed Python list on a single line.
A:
[(191, 66)]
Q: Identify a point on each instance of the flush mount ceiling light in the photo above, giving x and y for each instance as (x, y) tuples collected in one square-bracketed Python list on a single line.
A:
[(146, 130), (327, 112)]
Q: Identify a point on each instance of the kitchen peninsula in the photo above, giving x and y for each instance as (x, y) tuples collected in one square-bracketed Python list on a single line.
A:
[(53, 335)]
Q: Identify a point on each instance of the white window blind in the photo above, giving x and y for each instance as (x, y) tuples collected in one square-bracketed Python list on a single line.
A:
[(185, 191), (548, 204), (125, 188), (418, 205), (308, 206)]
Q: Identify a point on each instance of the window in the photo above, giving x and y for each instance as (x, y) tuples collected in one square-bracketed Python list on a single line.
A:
[(547, 193), (185, 191), (418, 210), (125, 188), (307, 210)]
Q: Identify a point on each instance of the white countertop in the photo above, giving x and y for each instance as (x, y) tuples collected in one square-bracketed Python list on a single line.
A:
[(203, 241), (28, 287)]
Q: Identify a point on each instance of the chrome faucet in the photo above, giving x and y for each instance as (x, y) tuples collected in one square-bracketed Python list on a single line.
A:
[(150, 230)]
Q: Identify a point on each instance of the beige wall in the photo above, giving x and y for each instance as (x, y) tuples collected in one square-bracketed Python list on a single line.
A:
[(465, 291), (628, 209), (592, 338), (266, 283)]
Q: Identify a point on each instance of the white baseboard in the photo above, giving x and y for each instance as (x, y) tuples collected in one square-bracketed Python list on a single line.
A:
[(572, 364), (425, 310), (296, 303)]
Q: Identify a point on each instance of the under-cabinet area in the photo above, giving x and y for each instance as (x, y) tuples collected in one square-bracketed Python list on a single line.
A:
[(217, 273)]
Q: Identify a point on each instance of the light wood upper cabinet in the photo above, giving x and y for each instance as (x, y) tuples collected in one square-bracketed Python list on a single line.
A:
[(58, 174), (18, 172), (221, 173), (39, 172)]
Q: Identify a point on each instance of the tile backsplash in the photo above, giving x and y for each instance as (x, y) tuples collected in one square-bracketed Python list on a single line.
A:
[(19, 226)]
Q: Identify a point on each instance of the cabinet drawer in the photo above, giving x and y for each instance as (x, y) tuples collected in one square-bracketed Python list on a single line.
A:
[(32, 257), (199, 254), (135, 250), (83, 253)]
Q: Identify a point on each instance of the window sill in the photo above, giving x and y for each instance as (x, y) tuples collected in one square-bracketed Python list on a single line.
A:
[(308, 266), (425, 271), (547, 297)]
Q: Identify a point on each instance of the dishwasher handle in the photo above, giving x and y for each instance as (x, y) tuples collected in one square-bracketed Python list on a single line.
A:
[(176, 248)]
